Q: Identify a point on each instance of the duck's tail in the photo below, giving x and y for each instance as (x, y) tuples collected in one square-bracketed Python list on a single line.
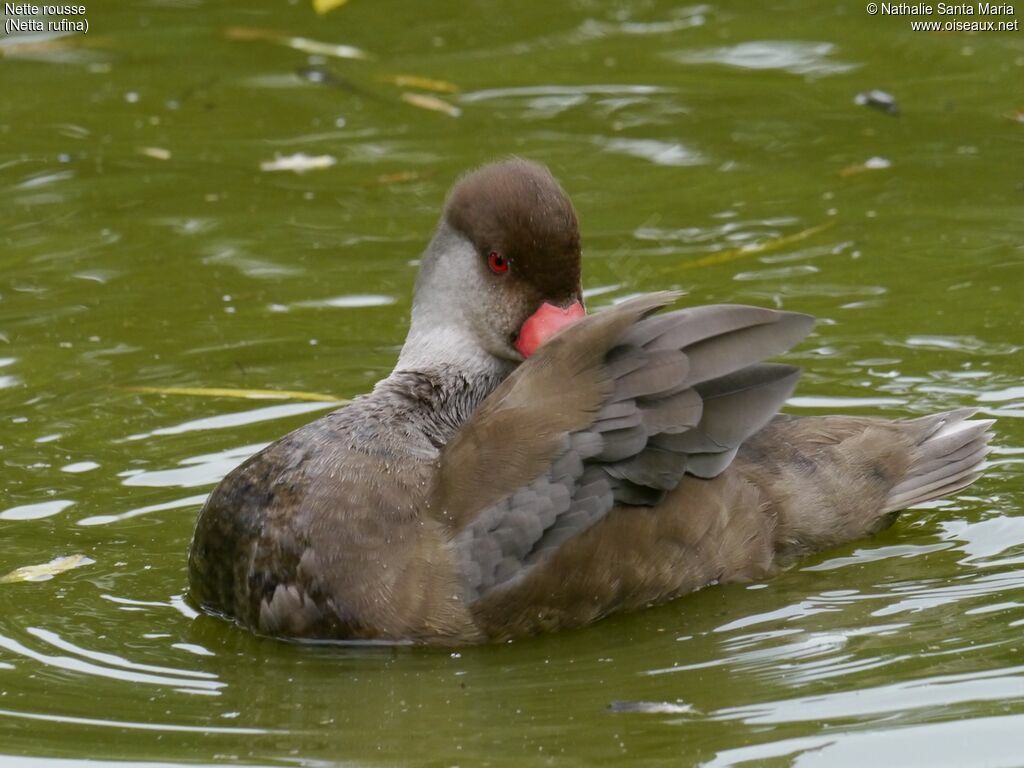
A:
[(827, 480), (948, 454)]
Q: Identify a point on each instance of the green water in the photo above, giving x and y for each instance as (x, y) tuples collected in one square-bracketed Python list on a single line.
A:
[(141, 245)]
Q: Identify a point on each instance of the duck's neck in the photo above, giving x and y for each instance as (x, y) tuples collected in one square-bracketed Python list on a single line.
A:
[(443, 376)]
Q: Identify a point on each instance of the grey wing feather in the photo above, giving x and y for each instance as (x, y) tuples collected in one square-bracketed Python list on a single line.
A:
[(687, 388), (735, 406), (503, 537)]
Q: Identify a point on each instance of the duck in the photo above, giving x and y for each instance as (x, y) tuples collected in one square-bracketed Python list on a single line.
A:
[(528, 467)]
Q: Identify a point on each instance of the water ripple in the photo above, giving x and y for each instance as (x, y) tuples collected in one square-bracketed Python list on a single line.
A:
[(128, 725), (105, 665), (237, 419), (926, 693)]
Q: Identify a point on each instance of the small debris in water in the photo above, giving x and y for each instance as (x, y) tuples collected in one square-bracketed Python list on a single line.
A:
[(652, 707), (298, 163), (317, 75), (871, 164), (880, 100), (755, 249), (157, 153)]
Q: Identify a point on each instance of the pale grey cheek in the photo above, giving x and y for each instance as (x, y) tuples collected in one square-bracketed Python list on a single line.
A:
[(457, 286), (494, 323), (490, 302), (453, 285), (512, 303)]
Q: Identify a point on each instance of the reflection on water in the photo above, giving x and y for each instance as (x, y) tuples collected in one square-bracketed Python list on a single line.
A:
[(712, 149), (978, 741), (35, 511), (985, 540), (7, 380), (250, 266), (658, 152), (789, 56), (195, 471), (348, 302)]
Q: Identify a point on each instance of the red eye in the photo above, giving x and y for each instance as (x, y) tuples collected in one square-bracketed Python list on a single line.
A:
[(497, 263)]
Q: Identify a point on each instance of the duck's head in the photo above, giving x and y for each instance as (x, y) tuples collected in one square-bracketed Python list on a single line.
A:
[(502, 272)]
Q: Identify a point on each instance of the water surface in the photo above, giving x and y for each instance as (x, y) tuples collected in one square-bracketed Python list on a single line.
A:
[(713, 149)]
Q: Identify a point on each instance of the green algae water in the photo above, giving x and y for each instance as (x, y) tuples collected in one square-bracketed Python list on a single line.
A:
[(205, 194)]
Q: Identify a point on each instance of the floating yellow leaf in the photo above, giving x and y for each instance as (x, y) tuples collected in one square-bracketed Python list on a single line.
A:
[(157, 153), (423, 83), (252, 33), (434, 104), (326, 6), (46, 571), (399, 177), (245, 394), (755, 249)]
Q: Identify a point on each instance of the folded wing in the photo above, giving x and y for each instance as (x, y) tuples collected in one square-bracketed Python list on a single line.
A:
[(612, 411)]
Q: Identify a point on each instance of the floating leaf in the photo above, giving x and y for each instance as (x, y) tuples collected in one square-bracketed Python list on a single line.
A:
[(246, 34), (399, 177), (423, 83), (755, 249), (326, 6), (245, 394), (434, 104), (46, 571), (304, 44), (298, 163)]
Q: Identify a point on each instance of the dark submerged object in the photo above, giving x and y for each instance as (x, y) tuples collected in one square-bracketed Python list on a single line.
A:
[(880, 100), (634, 457)]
